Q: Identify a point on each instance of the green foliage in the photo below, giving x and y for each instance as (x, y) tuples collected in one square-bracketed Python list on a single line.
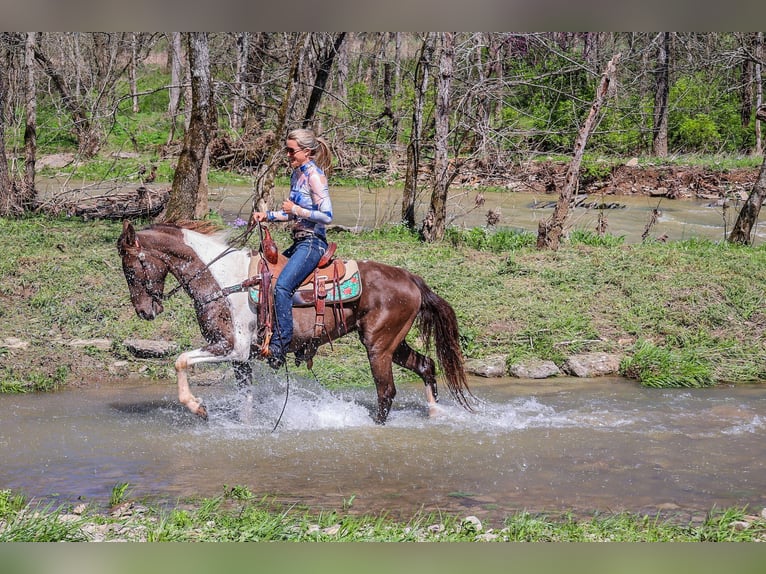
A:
[(659, 367), (587, 237), (485, 239), (11, 502), (32, 380), (120, 492)]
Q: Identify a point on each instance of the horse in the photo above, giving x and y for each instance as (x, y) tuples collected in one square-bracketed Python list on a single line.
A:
[(199, 256)]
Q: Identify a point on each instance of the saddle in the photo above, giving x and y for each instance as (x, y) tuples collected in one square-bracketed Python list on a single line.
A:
[(332, 281)]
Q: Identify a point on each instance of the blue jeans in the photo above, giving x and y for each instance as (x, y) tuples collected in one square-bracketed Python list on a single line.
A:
[(303, 258)]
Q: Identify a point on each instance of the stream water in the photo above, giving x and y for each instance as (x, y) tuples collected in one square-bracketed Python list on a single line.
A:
[(678, 219), (556, 445), (559, 444)]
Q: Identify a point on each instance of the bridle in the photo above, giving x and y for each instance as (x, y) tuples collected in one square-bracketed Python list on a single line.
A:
[(160, 297)]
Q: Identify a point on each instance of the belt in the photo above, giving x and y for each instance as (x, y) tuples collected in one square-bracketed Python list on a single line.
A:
[(302, 234)]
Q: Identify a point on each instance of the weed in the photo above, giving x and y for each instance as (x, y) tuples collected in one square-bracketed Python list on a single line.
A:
[(120, 492)]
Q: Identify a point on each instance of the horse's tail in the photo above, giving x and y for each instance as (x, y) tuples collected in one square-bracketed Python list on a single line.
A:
[(437, 320)]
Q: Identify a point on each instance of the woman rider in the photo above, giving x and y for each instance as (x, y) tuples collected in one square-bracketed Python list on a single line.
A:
[(310, 206)]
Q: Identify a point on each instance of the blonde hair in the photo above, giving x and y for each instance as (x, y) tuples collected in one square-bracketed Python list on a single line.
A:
[(318, 147)]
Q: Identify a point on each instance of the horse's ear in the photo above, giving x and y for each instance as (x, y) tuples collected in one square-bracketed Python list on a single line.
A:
[(128, 237)]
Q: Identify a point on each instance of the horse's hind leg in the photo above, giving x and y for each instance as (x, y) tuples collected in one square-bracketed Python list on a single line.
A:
[(383, 374), (407, 357)]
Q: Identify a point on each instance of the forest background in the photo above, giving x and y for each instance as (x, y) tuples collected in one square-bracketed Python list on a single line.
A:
[(423, 110)]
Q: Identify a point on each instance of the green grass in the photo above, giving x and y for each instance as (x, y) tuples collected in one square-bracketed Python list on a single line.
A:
[(237, 516), (698, 303)]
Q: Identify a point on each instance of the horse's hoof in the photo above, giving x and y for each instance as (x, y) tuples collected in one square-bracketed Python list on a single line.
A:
[(435, 410), (202, 412)]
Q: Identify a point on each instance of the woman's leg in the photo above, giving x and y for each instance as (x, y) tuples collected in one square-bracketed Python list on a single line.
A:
[(303, 260)]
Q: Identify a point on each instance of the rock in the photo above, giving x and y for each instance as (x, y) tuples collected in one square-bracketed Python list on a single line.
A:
[(13, 343), (472, 524), (592, 365), (119, 368), (632, 162), (102, 344), (148, 349), (488, 367), (534, 369)]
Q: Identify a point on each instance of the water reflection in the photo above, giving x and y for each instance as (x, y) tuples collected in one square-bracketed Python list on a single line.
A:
[(560, 444)]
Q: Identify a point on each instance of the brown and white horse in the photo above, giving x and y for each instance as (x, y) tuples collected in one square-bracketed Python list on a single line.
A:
[(392, 298)]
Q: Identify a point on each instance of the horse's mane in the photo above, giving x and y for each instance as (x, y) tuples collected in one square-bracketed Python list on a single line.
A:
[(209, 228), (204, 227)]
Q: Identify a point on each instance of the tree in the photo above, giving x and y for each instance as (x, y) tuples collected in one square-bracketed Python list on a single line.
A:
[(434, 222), (17, 196), (238, 103), (268, 170), (420, 81), (174, 91), (748, 215), (30, 129), (188, 197), (326, 58), (661, 95), (8, 191), (549, 231)]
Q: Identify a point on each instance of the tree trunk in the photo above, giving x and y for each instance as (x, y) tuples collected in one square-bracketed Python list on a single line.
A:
[(748, 215), (322, 73), (132, 71), (188, 197), (174, 54), (758, 92), (9, 200), (409, 195), (661, 94), (240, 86), (30, 129), (549, 231), (88, 140), (268, 170), (434, 222)]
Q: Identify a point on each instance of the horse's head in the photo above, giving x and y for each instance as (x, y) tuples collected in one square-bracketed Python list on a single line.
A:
[(144, 271)]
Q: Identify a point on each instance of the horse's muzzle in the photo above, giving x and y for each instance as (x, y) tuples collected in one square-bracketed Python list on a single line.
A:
[(151, 313)]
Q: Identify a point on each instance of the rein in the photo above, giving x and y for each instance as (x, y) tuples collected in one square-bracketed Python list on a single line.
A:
[(175, 289)]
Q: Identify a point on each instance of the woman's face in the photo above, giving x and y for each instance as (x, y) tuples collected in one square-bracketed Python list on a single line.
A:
[(296, 155)]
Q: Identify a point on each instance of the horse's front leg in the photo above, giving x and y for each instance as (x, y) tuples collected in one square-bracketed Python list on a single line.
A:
[(185, 395)]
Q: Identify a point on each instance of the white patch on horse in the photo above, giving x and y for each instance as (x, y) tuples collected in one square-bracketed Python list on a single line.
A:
[(229, 270)]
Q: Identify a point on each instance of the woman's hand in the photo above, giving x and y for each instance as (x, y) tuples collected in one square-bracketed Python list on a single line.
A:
[(259, 216), (287, 206)]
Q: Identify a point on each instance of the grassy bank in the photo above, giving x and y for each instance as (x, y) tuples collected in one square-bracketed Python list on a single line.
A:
[(680, 314), (237, 516)]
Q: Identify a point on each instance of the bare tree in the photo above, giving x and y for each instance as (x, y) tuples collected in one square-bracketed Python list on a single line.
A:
[(758, 91), (268, 170), (238, 101), (326, 57), (30, 129), (748, 215), (9, 204), (188, 197), (549, 231), (661, 95), (174, 92), (434, 222), (420, 80)]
